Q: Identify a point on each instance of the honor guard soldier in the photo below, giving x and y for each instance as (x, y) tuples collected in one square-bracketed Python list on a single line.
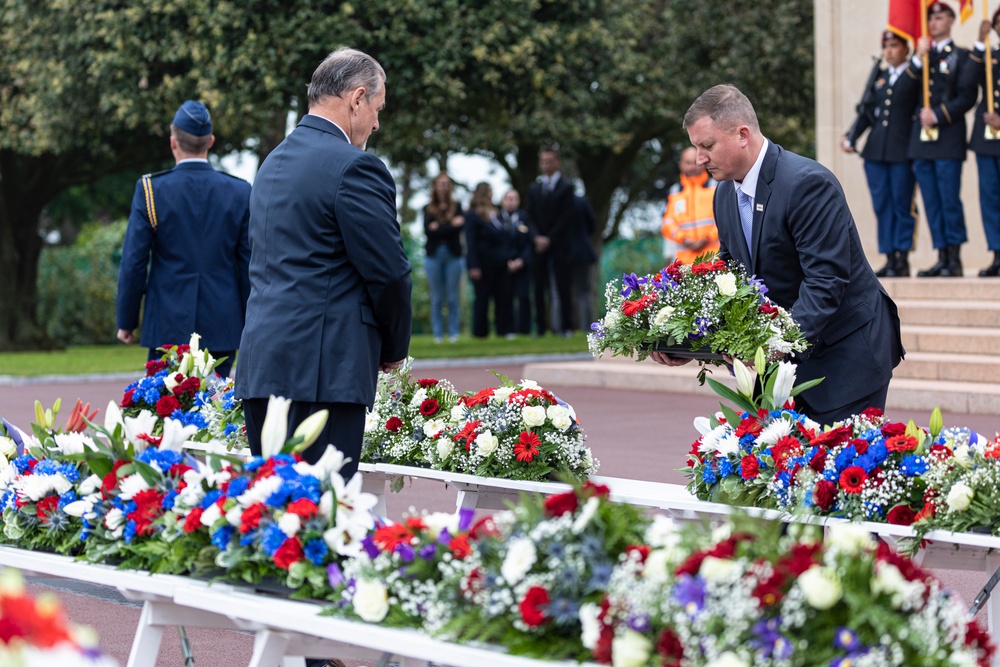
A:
[(985, 142), (884, 110), (938, 137), (186, 249)]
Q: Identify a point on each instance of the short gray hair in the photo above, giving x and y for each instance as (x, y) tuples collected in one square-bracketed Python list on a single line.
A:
[(345, 70), (725, 105)]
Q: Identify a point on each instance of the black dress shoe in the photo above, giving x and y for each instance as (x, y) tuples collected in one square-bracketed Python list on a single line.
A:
[(890, 263), (902, 268), (993, 270), (954, 266), (940, 266)]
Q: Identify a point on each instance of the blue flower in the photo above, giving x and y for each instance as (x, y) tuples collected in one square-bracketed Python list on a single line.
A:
[(708, 474), (316, 551), (632, 283), (846, 639), (866, 462), (169, 499), (67, 498), (129, 533), (564, 611), (465, 518), (334, 575), (210, 498), (405, 552), (725, 468), (913, 465), (237, 487), (229, 430), (220, 538), (846, 457), (639, 623), (600, 575), (272, 539), (879, 452), (46, 467), (427, 551), (756, 283), (689, 593)]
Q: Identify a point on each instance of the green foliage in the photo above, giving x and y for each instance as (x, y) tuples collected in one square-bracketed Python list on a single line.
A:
[(77, 286), (642, 256)]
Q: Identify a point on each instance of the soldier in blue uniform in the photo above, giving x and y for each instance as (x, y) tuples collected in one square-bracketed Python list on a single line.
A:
[(186, 249), (885, 109), (938, 163), (986, 145)]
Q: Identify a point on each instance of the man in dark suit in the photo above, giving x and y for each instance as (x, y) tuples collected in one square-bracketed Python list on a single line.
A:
[(329, 280), (937, 163), (893, 88), (515, 220), (786, 219), (985, 143), (551, 207), (188, 225)]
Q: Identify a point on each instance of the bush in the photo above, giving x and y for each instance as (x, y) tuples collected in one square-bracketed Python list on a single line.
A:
[(78, 285), (640, 256)]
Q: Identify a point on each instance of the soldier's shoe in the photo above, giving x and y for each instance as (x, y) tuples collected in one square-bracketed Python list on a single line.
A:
[(993, 270), (890, 263), (935, 270)]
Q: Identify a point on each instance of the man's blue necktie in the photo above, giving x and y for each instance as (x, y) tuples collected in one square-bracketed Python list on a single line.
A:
[(746, 217)]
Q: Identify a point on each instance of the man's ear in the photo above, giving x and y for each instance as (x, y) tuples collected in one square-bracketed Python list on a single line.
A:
[(359, 94)]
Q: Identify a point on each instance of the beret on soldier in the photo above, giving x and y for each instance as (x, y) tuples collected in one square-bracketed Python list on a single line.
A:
[(193, 117), (940, 8), (889, 35)]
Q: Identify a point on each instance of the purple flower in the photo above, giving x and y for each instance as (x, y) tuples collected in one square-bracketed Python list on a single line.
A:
[(427, 551), (370, 547), (465, 517), (846, 639), (444, 537), (334, 575), (769, 641), (639, 623), (632, 283), (757, 284), (405, 552), (689, 592)]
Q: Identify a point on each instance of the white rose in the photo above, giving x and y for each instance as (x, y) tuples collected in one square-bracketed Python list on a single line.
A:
[(371, 600), (529, 384), (889, 580), (726, 282), (590, 624), (663, 532), (533, 415), (458, 413), (444, 448), (850, 539), (821, 587), (657, 565), (559, 416), (962, 457), (521, 555), (663, 316), (713, 569), (486, 443), (960, 497), (502, 394), (630, 649), (438, 521), (7, 448), (433, 427), (728, 659), (290, 524)]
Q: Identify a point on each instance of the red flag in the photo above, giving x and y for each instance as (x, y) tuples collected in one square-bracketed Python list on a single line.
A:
[(904, 18), (965, 9)]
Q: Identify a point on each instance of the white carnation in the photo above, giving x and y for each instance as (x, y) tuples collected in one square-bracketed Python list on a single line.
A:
[(521, 556)]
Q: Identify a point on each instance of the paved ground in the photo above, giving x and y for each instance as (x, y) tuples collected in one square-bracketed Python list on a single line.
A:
[(642, 435)]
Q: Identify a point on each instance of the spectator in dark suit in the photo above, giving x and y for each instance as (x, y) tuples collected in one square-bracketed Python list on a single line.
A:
[(551, 208), (582, 258), (786, 219), (186, 249), (329, 280), (886, 109), (490, 246), (515, 220), (985, 143)]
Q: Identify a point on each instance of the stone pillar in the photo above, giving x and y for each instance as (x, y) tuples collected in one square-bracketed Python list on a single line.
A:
[(847, 38)]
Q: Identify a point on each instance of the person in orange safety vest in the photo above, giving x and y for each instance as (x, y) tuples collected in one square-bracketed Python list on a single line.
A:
[(688, 219)]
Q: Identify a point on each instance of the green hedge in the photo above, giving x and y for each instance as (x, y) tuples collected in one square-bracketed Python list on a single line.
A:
[(77, 285)]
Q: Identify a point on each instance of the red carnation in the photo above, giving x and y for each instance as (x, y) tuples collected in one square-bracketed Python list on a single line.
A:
[(148, 508), (561, 503), (749, 467), (288, 553), (193, 520), (901, 515), (674, 270), (824, 494), (127, 398), (767, 309), (893, 429), (527, 446), (154, 366), (110, 481), (852, 479), (781, 451), (533, 606), (305, 508), (250, 518), (47, 507), (393, 424), (751, 425), (901, 443), (460, 547), (427, 382), (166, 406), (599, 490), (429, 407)]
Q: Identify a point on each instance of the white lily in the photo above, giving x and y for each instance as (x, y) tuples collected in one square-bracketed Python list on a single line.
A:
[(703, 425), (275, 429), (175, 433), (783, 383), (331, 462), (143, 424), (310, 428), (112, 417), (744, 378)]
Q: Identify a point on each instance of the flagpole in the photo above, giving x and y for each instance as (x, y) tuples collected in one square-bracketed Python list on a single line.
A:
[(989, 62), (926, 133)]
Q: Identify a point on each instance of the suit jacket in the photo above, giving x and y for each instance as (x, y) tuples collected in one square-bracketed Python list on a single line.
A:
[(978, 143), (197, 259), (329, 280), (581, 248), (890, 117), (809, 255), (491, 246), (953, 92), (552, 213)]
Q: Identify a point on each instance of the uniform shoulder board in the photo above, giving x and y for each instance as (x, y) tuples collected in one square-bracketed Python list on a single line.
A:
[(242, 180), (157, 173)]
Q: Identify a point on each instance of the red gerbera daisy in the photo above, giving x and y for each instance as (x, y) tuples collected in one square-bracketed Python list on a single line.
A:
[(527, 446), (852, 479)]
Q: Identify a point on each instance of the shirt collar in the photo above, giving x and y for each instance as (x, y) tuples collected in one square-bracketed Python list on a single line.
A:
[(749, 184), (331, 123), (193, 159)]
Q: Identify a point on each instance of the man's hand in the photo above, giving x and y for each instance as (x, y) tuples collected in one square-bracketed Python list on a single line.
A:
[(666, 360), (515, 265), (984, 31), (846, 146), (541, 243), (992, 119), (475, 274), (387, 366), (457, 221), (126, 336), (928, 117), (923, 46)]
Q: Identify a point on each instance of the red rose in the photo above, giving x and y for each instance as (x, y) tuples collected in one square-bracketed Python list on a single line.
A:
[(670, 648), (901, 515), (893, 429), (833, 437), (533, 606), (305, 508), (288, 553), (251, 518), (427, 382), (127, 398), (901, 443), (193, 520), (188, 387), (871, 413), (47, 507), (818, 461), (767, 309), (749, 467), (800, 558), (599, 490), (429, 407), (393, 424), (852, 479), (641, 550), (561, 503), (166, 406), (824, 494), (674, 270), (770, 591), (154, 366), (484, 527)]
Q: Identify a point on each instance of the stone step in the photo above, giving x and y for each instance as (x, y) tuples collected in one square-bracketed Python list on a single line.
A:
[(951, 339), (953, 312), (949, 367), (952, 396), (943, 289)]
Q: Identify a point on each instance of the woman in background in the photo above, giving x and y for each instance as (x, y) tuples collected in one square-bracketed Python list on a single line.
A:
[(443, 222)]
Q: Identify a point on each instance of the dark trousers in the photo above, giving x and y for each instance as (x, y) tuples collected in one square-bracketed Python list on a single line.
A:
[(940, 186), (562, 274), (520, 284), (493, 286), (891, 185), (344, 429), (989, 198), (540, 273), (222, 369), (874, 400)]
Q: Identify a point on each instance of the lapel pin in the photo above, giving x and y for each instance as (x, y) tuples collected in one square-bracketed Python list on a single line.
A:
[(760, 208)]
